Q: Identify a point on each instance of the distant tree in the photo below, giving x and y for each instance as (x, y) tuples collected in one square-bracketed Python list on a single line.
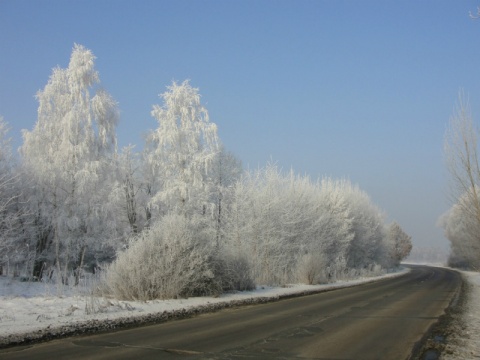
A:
[(428, 255), (461, 154), (400, 243), (180, 153), (68, 155)]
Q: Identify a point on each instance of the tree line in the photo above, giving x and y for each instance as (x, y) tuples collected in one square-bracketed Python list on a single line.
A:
[(462, 222), (179, 218)]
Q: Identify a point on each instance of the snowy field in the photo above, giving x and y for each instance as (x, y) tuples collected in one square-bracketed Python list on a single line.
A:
[(464, 342), (30, 311)]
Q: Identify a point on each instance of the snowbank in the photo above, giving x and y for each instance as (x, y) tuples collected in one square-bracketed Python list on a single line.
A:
[(36, 311), (464, 340)]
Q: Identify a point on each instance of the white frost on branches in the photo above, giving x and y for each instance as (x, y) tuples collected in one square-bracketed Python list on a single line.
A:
[(181, 218), (180, 151), (67, 154), (462, 222), (284, 222)]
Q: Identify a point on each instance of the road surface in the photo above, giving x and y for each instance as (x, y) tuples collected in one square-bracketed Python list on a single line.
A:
[(382, 320)]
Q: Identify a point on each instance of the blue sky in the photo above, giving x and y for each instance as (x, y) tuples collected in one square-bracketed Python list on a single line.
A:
[(350, 89)]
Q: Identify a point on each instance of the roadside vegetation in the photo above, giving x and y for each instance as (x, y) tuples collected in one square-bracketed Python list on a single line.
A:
[(179, 218), (462, 222)]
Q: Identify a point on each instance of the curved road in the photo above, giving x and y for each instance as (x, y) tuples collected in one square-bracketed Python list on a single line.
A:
[(381, 320)]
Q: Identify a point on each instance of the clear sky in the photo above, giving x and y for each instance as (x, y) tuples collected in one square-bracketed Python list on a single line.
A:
[(361, 90)]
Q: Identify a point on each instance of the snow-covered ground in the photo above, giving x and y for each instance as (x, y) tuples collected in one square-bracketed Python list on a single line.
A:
[(464, 340), (31, 311)]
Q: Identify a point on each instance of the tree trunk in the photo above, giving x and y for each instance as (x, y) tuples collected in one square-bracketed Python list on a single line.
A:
[(148, 216), (80, 265), (219, 221), (42, 244), (38, 267)]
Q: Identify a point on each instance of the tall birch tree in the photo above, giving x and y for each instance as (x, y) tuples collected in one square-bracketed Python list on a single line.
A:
[(180, 152), (67, 154), (461, 154)]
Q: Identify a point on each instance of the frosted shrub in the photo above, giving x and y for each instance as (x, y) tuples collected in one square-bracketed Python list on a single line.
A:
[(338, 270), (175, 258), (369, 271), (311, 269), (236, 273), (377, 270)]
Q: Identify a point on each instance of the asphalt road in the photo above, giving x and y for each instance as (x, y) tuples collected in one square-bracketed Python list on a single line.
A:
[(381, 320)]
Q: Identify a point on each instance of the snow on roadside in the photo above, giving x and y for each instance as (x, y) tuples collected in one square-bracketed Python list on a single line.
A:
[(33, 311), (464, 341)]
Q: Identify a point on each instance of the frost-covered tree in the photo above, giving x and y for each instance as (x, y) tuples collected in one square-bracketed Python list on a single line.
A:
[(270, 221), (8, 241), (335, 224), (127, 197), (399, 242), (461, 153), (291, 228), (16, 250), (260, 221), (180, 153), (225, 171), (428, 255), (368, 246), (461, 229), (67, 154)]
